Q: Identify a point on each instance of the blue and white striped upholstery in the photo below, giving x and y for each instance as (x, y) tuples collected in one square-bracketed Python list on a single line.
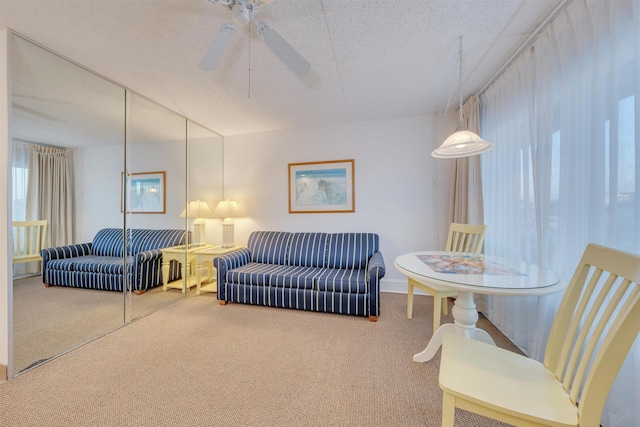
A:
[(335, 273), (351, 250), (268, 247), (101, 264), (307, 249)]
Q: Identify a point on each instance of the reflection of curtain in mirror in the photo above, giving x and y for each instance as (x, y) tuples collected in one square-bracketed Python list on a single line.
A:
[(19, 179), (50, 191)]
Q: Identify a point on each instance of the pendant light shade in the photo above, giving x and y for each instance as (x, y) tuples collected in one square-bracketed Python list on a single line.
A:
[(463, 142)]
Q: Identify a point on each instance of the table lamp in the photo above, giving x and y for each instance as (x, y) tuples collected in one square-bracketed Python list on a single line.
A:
[(198, 210), (226, 209)]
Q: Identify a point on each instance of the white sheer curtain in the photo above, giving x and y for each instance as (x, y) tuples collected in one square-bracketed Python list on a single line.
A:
[(565, 118)]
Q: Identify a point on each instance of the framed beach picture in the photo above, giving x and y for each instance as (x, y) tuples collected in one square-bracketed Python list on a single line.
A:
[(321, 187), (145, 193)]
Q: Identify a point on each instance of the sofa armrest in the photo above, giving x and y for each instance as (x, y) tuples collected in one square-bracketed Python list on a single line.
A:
[(228, 262), (375, 267), (148, 270), (61, 252), (148, 256), (69, 251), (375, 272)]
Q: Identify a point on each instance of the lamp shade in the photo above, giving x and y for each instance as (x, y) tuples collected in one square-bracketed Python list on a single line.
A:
[(197, 209), (226, 209), (462, 143)]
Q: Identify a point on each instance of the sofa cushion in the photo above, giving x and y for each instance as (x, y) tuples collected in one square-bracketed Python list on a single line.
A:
[(296, 277), (254, 273), (342, 280), (350, 250), (307, 249), (90, 264), (108, 242), (268, 247)]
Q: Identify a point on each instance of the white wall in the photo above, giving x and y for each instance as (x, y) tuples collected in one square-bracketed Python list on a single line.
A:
[(401, 191)]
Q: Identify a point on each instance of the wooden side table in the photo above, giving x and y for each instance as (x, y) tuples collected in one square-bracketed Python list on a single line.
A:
[(185, 255), (204, 258)]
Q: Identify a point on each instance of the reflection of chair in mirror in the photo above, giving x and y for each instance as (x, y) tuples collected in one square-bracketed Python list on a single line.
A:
[(28, 240), (597, 322), (461, 238)]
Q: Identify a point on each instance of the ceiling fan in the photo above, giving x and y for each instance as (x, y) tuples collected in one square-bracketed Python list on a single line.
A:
[(244, 12)]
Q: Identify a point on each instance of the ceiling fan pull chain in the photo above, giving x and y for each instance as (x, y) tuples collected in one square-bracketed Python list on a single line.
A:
[(249, 62)]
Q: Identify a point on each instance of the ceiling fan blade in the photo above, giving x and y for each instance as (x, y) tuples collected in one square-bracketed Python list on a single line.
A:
[(219, 45), (283, 49)]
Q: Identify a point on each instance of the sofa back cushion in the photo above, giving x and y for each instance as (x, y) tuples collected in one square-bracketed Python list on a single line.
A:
[(268, 247), (158, 239), (307, 249), (350, 250), (108, 242), (135, 237)]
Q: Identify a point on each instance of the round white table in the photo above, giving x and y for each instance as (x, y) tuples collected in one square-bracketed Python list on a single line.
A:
[(470, 273)]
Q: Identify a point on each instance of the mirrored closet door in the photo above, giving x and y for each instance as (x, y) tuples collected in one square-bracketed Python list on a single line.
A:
[(156, 192), (67, 148), (111, 172)]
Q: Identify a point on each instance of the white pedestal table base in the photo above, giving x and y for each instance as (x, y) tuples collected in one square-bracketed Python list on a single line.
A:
[(465, 318)]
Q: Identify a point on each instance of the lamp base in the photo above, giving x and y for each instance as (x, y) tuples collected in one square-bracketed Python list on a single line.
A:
[(199, 234), (227, 234)]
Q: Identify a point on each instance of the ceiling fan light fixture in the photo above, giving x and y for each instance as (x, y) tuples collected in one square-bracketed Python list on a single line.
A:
[(219, 46), (241, 13)]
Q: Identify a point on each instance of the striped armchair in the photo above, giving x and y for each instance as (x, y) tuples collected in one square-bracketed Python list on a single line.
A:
[(102, 263), (334, 273)]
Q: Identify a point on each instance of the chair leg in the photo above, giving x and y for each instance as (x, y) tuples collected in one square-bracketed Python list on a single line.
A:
[(409, 299), (445, 306), (448, 410), (437, 307)]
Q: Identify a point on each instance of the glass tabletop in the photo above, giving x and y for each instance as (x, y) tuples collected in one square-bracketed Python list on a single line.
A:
[(478, 273)]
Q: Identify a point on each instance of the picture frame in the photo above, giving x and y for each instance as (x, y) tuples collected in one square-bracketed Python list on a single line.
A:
[(322, 187), (145, 192)]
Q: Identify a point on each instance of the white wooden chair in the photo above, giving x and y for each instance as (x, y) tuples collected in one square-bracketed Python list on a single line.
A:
[(593, 330), (461, 238), (28, 239)]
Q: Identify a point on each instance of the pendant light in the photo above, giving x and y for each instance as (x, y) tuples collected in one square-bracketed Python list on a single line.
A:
[(463, 142)]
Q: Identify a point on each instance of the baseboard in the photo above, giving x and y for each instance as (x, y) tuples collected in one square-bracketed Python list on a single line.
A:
[(397, 287), (4, 373)]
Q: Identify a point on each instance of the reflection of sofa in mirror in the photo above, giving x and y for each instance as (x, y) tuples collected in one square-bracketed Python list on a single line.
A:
[(99, 264)]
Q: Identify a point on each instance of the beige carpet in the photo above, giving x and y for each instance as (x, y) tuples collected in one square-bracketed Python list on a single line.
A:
[(50, 321), (195, 363)]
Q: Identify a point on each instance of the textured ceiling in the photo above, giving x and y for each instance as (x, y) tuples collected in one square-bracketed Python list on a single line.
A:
[(370, 59)]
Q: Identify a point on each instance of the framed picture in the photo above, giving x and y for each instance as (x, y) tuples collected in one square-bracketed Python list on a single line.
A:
[(321, 187), (145, 193)]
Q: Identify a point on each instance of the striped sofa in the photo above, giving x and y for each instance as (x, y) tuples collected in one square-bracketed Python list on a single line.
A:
[(335, 273), (101, 263)]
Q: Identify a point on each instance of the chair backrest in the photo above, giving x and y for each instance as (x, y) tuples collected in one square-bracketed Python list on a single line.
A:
[(597, 322), (28, 239), (465, 238)]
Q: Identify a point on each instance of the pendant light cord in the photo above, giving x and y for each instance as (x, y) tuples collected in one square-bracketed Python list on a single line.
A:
[(461, 124)]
